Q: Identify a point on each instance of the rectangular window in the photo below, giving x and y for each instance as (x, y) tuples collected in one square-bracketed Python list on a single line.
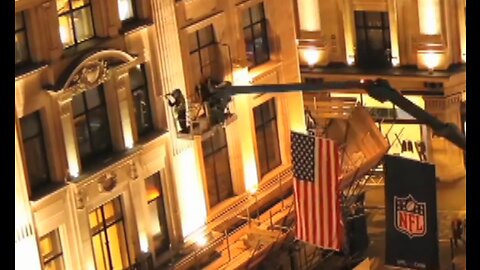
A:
[(22, 55), (91, 125), (34, 151), (109, 237), (51, 251), (75, 20), (255, 35), (143, 111), (203, 56), (373, 39), (126, 10), (217, 167), (266, 131), (158, 216)]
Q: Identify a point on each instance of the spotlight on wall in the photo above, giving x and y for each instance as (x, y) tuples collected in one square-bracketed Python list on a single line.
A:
[(351, 60), (395, 61), (201, 241)]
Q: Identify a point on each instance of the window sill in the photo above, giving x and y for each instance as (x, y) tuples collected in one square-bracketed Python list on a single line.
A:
[(130, 27), (109, 160), (46, 190), (84, 46), (258, 71), (151, 136), (29, 69)]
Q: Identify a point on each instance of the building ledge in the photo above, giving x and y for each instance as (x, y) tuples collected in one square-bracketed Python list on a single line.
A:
[(407, 71), (114, 159)]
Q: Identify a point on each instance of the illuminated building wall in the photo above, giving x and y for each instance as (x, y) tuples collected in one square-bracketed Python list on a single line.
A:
[(99, 143)]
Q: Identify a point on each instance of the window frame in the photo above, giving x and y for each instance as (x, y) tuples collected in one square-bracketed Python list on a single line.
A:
[(146, 90), (27, 45), (87, 160), (264, 125), (263, 34), (362, 27), (56, 256), (217, 149), (104, 224), (161, 207), (198, 50), (134, 16), (41, 137), (69, 13)]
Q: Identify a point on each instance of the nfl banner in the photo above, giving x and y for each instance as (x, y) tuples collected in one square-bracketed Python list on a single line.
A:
[(411, 214)]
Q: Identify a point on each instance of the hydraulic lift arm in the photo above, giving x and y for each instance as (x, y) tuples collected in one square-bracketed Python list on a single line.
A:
[(378, 89)]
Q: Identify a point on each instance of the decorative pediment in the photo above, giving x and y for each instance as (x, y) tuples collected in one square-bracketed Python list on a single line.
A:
[(90, 75), (89, 70)]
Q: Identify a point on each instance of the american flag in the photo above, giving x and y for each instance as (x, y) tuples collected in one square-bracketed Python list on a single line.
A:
[(316, 168)]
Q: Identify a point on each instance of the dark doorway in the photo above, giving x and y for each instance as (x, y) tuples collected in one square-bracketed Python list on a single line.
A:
[(373, 39)]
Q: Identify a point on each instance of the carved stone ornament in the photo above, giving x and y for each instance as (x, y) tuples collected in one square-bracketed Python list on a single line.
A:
[(92, 74), (108, 183), (81, 199)]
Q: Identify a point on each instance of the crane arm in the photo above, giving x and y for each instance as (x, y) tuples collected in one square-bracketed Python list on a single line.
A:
[(378, 89)]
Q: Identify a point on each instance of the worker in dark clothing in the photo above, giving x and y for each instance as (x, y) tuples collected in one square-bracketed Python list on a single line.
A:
[(177, 100)]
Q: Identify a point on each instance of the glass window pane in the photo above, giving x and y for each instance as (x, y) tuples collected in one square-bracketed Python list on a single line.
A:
[(207, 147), (195, 64), (83, 24), (142, 110), (257, 116), (152, 185), (246, 18), (19, 21), (257, 13), (79, 3), (66, 30), (21, 48), (206, 35), (374, 19), (249, 46), (35, 158), (83, 137), (93, 98), (262, 155), (99, 129), (117, 246), (125, 9), (375, 39), (359, 18), (154, 221), (51, 251), (210, 179), (62, 6), (30, 125), (268, 110), (192, 41), (100, 251), (78, 105), (224, 181), (137, 77), (205, 55), (273, 154), (219, 139)]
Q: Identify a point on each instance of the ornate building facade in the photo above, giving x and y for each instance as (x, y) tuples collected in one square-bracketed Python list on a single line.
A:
[(106, 179)]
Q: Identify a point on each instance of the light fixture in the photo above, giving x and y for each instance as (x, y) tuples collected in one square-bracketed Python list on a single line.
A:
[(201, 241), (311, 55), (351, 60)]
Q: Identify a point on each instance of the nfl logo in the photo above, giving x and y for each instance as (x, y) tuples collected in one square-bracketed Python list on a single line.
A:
[(410, 216)]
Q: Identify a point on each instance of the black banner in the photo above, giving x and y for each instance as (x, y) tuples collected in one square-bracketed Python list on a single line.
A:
[(411, 214)]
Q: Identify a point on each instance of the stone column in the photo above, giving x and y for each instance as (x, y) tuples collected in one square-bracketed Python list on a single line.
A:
[(66, 120), (167, 59), (27, 255)]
